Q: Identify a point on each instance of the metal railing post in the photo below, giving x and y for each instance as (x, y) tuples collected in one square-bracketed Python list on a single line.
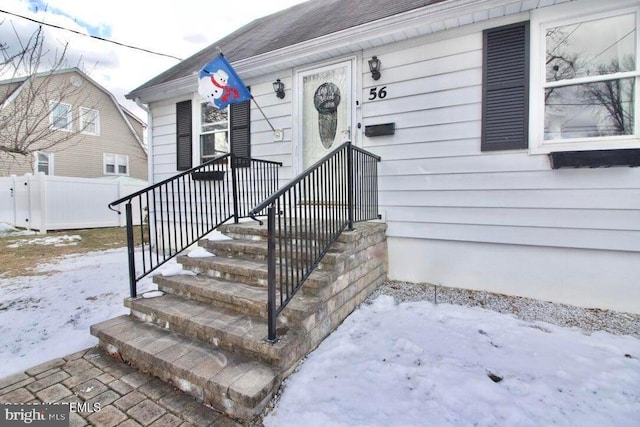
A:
[(350, 184), (234, 185), (271, 273), (130, 251)]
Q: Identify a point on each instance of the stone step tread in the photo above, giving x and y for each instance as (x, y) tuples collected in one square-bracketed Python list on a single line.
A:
[(252, 268), (235, 294), (218, 325), (256, 231), (253, 247), (223, 374)]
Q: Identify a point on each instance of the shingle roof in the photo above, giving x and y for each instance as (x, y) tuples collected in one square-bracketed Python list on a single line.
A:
[(303, 22)]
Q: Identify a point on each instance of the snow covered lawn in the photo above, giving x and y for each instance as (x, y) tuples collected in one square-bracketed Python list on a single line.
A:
[(45, 317), (387, 365), (420, 364)]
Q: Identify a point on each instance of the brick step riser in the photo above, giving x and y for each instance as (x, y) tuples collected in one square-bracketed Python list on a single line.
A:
[(217, 337), (183, 379), (239, 304), (246, 276), (256, 233), (362, 260), (231, 249)]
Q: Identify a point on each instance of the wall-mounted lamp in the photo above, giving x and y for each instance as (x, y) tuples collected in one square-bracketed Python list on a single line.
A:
[(278, 88), (374, 67)]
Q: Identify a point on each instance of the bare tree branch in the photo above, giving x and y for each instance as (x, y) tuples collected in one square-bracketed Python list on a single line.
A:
[(34, 87)]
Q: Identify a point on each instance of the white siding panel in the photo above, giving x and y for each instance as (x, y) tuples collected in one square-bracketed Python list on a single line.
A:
[(454, 114), (537, 236), (426, 101), (504, 162), (585, 179), (604, 219), (425, 134), (554, 199), (452, 80)]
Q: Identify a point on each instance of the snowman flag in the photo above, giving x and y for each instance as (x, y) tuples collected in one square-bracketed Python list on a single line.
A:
[(219, 84)]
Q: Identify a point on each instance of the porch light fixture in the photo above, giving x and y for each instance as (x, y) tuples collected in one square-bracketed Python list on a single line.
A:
[(278, 88), (374, 67)]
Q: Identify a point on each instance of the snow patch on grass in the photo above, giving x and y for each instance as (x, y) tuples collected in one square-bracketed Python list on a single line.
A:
[(64, 240)]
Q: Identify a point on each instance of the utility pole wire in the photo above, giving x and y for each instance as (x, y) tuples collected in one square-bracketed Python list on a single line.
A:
[(90, 35)]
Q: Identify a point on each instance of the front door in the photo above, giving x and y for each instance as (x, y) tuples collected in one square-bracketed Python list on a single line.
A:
[(326, 110)]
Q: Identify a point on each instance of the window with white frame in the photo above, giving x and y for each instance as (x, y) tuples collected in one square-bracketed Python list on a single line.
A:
[(214, 131), (60, 116), (116, 164), (89, 121), (584, 82), (43, 163)]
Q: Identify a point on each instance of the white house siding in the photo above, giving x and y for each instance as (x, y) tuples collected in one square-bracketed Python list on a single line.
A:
[(498, 221)]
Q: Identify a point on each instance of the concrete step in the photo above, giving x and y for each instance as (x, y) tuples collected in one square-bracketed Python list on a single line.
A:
[(229, 382), (296, 228), (224, 328), (252, 273), (256, 250), (250, 300)]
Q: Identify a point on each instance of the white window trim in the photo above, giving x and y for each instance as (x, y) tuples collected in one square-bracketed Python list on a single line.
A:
[(116, 164), (542, 19), (52, 106), (83, 112), (50, 160)]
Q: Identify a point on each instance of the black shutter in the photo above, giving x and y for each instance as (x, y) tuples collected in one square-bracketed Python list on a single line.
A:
[(241, 132), (505, 97), (183, 135)]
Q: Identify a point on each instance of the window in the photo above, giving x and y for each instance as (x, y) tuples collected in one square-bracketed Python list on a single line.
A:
[(586, 83), (214, 131), (43, 163), (89, 121), (116, 164), (60, 116)]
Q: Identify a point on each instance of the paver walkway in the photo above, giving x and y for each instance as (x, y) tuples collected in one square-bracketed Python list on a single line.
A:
[(126, 396)]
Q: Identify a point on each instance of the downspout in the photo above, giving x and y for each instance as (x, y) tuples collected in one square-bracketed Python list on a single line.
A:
[(150, 177)]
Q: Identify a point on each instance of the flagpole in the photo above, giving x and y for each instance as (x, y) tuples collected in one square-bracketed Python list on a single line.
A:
[(263, 115)]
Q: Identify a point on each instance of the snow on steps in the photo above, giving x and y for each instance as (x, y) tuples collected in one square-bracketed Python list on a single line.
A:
[(207, 334)]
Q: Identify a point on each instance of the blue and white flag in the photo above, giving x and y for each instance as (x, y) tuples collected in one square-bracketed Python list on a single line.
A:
[(219, 84)]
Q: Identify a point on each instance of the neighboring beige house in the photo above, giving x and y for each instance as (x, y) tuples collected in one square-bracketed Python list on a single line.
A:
[(104, 139)]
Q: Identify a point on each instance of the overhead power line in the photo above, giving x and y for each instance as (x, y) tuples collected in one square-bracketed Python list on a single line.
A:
[(90, 35)]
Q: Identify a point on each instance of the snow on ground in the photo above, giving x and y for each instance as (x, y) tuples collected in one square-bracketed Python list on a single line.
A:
[(8, 230), (63, 240), (387, 365), (423, 364), (45, 317)]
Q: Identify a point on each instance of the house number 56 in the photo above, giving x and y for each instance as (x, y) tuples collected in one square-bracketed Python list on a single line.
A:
[(374, 93)]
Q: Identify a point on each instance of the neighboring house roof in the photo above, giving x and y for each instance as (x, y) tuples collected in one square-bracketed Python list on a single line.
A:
[(13, 92), (297, 24)]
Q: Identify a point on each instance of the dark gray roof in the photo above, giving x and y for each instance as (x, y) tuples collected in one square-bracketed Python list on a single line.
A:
[(299, 23)]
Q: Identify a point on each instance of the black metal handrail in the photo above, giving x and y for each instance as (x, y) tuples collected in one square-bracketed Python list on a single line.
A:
[(175, 213), (305, 217)]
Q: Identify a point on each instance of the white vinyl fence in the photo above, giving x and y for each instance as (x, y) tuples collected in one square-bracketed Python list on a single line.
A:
[(42, 202)]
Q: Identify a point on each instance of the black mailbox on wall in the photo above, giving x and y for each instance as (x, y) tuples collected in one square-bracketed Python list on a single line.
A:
[(380, 130)]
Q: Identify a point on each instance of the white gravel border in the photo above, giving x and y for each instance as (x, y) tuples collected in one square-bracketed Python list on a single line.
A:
[(587, 319)]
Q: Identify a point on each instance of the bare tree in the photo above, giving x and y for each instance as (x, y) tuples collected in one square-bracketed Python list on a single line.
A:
[(616, 96), (32, 92)]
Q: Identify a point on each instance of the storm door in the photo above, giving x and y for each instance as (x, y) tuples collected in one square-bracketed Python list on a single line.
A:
[(326, 103)]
